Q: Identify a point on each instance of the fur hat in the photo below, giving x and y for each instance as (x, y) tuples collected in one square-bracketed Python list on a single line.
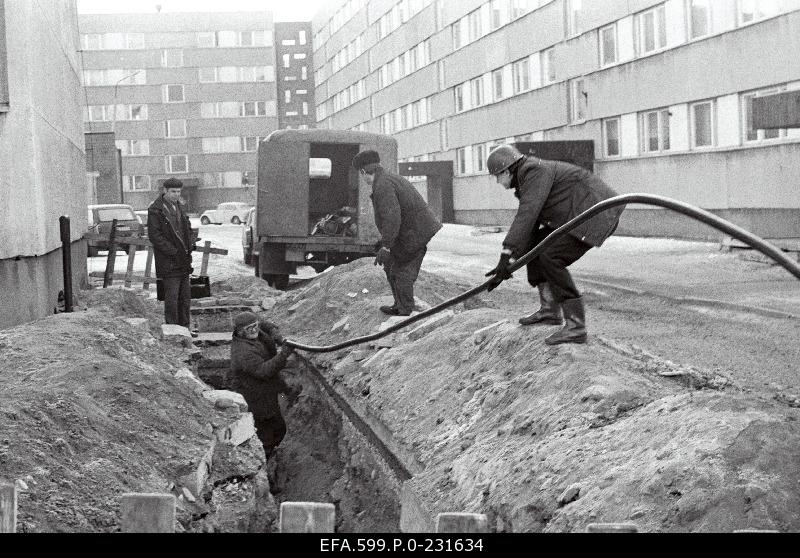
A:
[(364, 158), (244, 319), (172, 183)]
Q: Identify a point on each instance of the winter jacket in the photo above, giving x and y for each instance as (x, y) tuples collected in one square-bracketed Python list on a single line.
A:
[(172, 251), (404, 220), (255, 368), (551, 193)]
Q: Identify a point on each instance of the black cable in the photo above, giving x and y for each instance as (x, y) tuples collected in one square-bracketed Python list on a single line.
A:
[(646, 199)]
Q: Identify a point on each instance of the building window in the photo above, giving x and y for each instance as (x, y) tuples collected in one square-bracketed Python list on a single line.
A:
[(755, 10), (476, 90), (173, 94), (459, 98), (548, 66), (230, 179), (750, 134), (655, 130), (578, 100), (172, 58), (248, 178), (252, 38), (177, 163), (132, 148), (135, 182), (303, 72), (458, 40), (461, 160), (608, 45), (498, 14), (134, 40), (302, 36), (497, 84), (474, 25), (175, 128), (611, 137), (652, 30), (521, 75), (702, 124), (137, 112), (207, 75), (254, 108), (479, 157), (573, 8), (699, 18), (207, 39), (305, 108)]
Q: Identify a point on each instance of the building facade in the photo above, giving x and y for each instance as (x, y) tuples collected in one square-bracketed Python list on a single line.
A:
[(294, 56), (42, 160), (663, 88), (188, 95)]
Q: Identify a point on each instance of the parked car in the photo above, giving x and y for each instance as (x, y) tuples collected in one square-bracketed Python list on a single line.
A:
[(100, 217), (228, 212), (249, 235)]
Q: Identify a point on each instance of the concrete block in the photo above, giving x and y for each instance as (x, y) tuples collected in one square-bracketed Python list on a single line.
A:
[(138, 323), (414, 515), (177, 335), (216, 395), (196, 480), (430, 324), (307, 517), (148, 513), (462, 523), (185, 375), (8, 508), (612, 528), (238, 432)]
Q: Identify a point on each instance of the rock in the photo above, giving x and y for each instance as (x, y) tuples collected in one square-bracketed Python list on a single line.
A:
[(138, 323), (21, 485), (238, 432), (339, 325), (359, 355), (352, 295), (390, 322), (570, 494), (293, 308), (374, 357), (364, 291), (187, 494), (480, 335), (215, 396), (177, 335), (430, 324), (195, 383), (268, 303)]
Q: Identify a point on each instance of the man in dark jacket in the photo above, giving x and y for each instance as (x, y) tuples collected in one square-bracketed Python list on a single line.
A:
[(256, 363), (550, 194), (170, 233), (406, 224)]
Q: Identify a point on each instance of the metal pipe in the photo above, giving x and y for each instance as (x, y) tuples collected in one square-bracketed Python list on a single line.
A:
[(66, 261), (647, 199)]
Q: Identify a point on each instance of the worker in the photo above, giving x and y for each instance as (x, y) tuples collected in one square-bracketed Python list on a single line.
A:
[(550, 194), (256, 364), (170, 233), (406, 225)]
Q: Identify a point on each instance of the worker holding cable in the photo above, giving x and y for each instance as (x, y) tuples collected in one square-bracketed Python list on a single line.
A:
[(550, 194)]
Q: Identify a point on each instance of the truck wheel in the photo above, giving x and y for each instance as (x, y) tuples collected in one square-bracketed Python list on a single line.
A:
[(205, 220), (279, 282), (235, 220)]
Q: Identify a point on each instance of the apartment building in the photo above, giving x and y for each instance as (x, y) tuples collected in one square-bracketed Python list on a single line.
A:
[(42, 162), (294, 57), (188, 95), (663, 88)]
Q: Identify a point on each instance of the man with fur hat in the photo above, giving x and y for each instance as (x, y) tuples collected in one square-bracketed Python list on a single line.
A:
[(406, 224), (256, 363)]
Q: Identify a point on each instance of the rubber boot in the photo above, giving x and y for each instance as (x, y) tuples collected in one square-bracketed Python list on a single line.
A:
[(574, 331), (549, 313)]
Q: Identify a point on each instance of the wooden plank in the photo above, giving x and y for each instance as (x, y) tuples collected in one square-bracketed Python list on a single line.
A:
[(147, 267), (206, 251), (129, 271), (8, 508), (148, 513)]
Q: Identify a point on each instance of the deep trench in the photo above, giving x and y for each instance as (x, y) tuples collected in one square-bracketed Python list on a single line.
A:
[(329, 454)]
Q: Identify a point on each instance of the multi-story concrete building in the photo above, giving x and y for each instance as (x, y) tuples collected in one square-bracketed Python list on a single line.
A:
[(188, 95), (295, 75), (663, 88), (42, 168)]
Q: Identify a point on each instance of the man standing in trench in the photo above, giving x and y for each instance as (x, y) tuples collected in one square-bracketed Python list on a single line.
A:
[(550, 194), (170, 233), (256, 363), (406, 224)]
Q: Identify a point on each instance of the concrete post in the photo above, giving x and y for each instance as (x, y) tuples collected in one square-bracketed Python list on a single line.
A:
[(612, 528), (462, 523), (8, 508), (148, 513), (307, 517)]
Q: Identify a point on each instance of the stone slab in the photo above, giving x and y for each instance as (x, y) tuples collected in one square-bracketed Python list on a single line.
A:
[(238, 432), (430, 324), (216, 395), (177, 335), (186, 375), (414, 516), (307, 517), (148, 513)]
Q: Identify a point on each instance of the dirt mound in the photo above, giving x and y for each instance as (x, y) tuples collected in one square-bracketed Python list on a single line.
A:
[(553, 438), (90, 408)]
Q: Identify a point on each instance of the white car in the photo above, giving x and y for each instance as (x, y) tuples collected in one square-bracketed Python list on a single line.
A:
[(228, 212)]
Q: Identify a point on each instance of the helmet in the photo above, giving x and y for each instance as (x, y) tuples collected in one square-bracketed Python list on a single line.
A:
[(502, 157)]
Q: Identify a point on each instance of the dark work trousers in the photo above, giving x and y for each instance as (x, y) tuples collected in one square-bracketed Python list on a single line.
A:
[(551, 265), (401, 277), (177, 298), (270, 431)]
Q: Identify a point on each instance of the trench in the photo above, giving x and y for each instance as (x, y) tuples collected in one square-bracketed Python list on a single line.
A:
[(330, 453)]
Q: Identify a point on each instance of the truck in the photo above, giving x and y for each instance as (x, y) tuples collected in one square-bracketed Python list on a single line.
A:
[(311, 207)]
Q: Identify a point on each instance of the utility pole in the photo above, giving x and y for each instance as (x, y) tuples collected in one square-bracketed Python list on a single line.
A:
[(114, 131)]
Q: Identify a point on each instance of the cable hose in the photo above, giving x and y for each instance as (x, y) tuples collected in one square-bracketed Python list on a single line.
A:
[(647, 199)]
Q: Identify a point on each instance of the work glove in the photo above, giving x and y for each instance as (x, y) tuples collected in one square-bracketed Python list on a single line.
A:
[(382, 257), (286, 351), (501, 272)]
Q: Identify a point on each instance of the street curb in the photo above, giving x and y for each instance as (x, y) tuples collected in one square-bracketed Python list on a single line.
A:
[(768, 312)]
